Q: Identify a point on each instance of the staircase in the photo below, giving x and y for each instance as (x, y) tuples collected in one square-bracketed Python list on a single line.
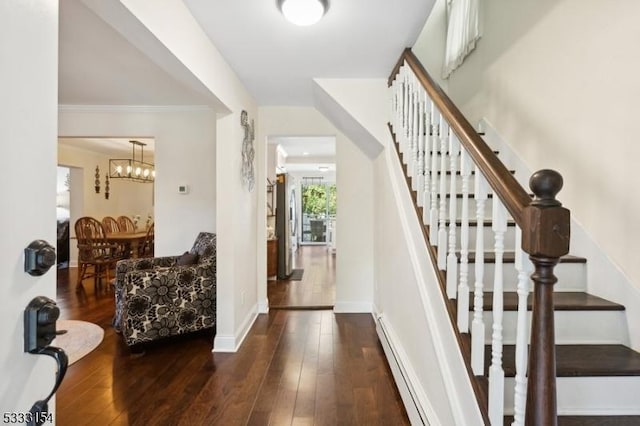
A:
[(474, 241)]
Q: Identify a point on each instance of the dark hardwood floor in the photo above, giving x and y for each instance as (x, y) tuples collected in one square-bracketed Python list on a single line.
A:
[(316, 290), (294, 368)]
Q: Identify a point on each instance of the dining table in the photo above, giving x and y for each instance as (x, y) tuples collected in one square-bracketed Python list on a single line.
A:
[(133, 239)]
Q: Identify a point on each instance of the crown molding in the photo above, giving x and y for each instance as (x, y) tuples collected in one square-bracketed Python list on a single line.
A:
[(132, 108)]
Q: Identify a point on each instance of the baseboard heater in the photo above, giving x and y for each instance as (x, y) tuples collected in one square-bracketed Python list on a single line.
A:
[(407, 392)]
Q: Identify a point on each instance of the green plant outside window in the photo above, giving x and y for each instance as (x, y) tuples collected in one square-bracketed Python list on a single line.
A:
[(319, 199)]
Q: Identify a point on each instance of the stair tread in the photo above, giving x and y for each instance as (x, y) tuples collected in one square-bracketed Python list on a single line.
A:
[(562, 301), (591, 420), (447, 152), (473, 196), (473, 172), (510, 256), (473, 223), (581, 360)]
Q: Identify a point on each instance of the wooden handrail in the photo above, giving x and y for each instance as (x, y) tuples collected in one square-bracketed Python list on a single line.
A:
[(545, 228), (512, 194)]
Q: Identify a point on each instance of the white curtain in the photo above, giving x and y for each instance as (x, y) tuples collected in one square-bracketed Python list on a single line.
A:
[(463, 30)]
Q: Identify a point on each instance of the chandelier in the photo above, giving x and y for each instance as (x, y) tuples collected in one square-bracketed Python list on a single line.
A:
[(132, 169)]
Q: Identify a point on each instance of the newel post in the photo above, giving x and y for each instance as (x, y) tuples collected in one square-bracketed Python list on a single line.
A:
[(545, 237)]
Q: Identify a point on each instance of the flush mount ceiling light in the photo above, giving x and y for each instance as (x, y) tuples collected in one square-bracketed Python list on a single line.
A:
[(303, 12)]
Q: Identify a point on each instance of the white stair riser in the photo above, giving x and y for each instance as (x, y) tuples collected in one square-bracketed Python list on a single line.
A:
[(571, 276), (572, 327), (488, 209), (472, 208), (458, 179), (608, 396), (488, 238)]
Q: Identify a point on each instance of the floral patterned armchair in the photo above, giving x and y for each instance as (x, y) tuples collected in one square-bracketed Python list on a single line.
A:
[(159, 297)]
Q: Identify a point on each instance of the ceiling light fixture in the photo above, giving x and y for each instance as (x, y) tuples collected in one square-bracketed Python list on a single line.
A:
[(323, 168), (303, 12), (132, 169)]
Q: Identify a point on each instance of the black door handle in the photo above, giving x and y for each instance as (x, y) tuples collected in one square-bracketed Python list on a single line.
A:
[(40, 318)]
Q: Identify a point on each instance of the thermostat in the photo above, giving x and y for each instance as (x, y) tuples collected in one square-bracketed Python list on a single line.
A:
[(183, 189)]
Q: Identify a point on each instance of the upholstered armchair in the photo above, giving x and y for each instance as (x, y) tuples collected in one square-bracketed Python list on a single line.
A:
[(166, 296)]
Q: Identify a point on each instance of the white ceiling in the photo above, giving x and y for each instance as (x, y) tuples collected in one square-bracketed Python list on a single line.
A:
[(98, 66), (111, 146), (306, 146), (306, 154), (277, 60)]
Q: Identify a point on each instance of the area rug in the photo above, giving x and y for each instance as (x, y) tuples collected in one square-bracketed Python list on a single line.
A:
[(80, 339), (296, 275)]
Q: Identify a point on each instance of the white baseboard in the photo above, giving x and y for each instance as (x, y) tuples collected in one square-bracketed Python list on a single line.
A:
[(263, 307), (231, 343), (353, 307), (224, 343)]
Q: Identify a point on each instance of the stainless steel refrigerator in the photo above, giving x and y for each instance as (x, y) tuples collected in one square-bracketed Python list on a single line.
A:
[(285, 214)]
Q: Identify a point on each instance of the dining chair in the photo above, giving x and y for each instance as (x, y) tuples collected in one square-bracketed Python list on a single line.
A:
[(146, 248), (94, 250), (126, 224), (111, 225)]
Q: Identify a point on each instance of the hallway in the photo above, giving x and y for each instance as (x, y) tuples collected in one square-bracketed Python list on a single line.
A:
[(294, 368), (316, 290)]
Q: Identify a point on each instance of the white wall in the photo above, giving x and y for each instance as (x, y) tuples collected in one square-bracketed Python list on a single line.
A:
[(408, 302), (581, 55), (28, 83), (185, 153), (559, 81), (430, 45), (237, 258), (354, 228), (354, 258)]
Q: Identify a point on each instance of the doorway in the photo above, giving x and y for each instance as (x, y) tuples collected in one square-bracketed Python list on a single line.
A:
[(92, 189), (319, 200), (309, 162), (63, 216)]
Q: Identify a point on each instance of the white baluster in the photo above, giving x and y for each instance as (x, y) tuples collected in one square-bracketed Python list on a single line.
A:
[(463, 287), (407, 116), (477, 326), (496, 373), (429, 155), (398, 118), (409, 130), (435, 142), (394, 104), (452, 259), (442, 214), (403, 123), (416, 134), (525, 268), (421, 147)]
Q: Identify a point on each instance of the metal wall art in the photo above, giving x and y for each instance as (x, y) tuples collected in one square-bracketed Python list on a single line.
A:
[(248, 152), (106, 187), (97, 181)]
